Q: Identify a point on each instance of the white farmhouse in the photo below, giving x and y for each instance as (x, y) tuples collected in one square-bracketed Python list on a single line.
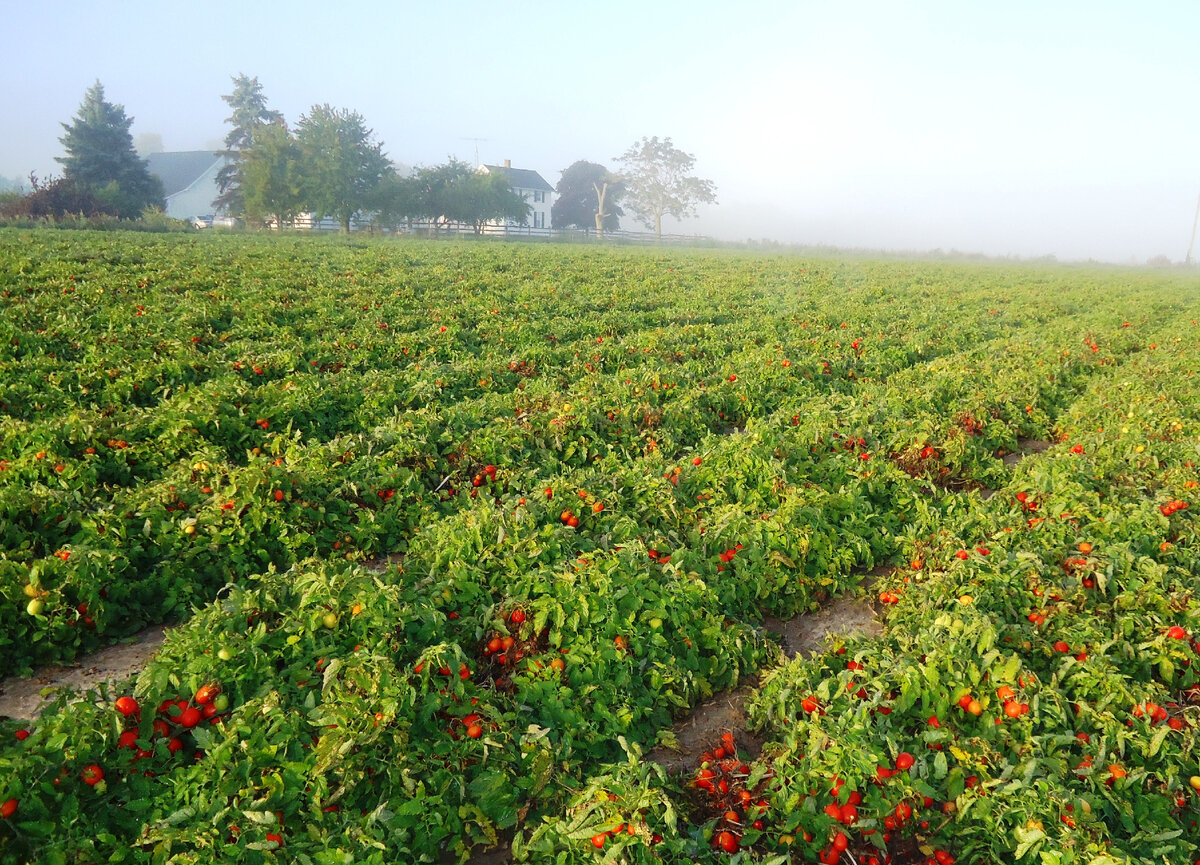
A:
[(189, 181), (531, 186)]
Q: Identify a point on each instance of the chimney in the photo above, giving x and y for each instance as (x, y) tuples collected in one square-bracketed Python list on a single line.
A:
[(508, 163)]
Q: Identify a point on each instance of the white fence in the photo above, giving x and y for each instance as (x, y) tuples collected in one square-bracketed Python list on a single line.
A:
[(517, 232), (306, 222)]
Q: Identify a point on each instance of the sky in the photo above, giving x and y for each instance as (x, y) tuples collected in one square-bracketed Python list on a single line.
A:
[(1021, 128)]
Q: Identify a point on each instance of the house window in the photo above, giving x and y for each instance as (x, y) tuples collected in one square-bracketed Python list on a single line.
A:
[(538, 196)]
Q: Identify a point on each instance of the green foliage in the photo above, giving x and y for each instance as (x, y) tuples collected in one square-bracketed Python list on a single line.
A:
[(342, 166), (434, 191), (101, 158), (249, 111), (346, 470), (270, 183), (478, 198)]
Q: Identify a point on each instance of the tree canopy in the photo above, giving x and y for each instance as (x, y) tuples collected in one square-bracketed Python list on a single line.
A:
[(577, 197), (249, 112), (270, 182), (481, 198), (342, 163), (658, 182), (101, 157), (450, 192)]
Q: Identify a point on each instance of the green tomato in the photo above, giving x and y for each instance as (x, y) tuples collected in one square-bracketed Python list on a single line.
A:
[(224, 654), (220, 702), (656, 623), (329, 620), (35, 607)]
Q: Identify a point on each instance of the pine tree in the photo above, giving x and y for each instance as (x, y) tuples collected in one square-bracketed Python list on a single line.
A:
[(101, 157), (249, 112)]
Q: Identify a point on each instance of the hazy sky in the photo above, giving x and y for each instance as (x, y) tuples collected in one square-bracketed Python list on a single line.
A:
[(1028, 128)]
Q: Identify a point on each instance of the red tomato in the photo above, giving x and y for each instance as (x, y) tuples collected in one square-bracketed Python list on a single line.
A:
[(127, 706), (92, 775)]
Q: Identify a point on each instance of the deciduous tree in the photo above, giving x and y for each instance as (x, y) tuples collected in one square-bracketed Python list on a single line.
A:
[(658, 180), (270, 181), (587, 196), (342, 163), (482, 198), (249, 112), (101, 157)]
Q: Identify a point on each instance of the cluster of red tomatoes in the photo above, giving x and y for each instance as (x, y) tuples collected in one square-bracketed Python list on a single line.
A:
[(722, 778), (174, 718)]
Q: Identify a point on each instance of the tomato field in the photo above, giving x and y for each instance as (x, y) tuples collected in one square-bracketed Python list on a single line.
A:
[(454, 532)]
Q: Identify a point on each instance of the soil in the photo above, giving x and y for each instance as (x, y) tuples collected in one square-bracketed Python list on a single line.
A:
[(807, 634), (24, 698), (726, 713), (380, 564), (701, 731), (1025, 448)]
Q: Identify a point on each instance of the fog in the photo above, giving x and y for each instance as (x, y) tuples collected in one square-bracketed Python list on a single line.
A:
[(1008, 130)]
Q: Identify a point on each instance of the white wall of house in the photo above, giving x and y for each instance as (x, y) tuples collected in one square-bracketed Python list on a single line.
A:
[(539, 206), (196, 199), (539, 201)]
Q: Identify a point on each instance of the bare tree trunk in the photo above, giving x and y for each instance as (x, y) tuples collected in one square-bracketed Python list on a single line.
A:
[(601, 192)]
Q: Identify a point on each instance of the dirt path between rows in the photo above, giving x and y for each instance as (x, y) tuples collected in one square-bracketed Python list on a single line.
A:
[(804, 634), (1025, 447), (25, 698)]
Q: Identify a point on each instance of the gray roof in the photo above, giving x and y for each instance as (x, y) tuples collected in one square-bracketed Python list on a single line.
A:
[(521, 178), (179, 170)]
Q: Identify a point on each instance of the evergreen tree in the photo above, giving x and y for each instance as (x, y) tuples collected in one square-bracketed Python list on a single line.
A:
[(250, 111), (101, 157)]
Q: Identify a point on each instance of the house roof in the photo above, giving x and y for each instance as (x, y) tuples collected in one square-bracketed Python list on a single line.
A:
[(181, 169), (521, 178)]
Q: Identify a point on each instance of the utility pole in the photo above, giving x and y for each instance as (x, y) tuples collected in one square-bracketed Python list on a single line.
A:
[(1195, 223)]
